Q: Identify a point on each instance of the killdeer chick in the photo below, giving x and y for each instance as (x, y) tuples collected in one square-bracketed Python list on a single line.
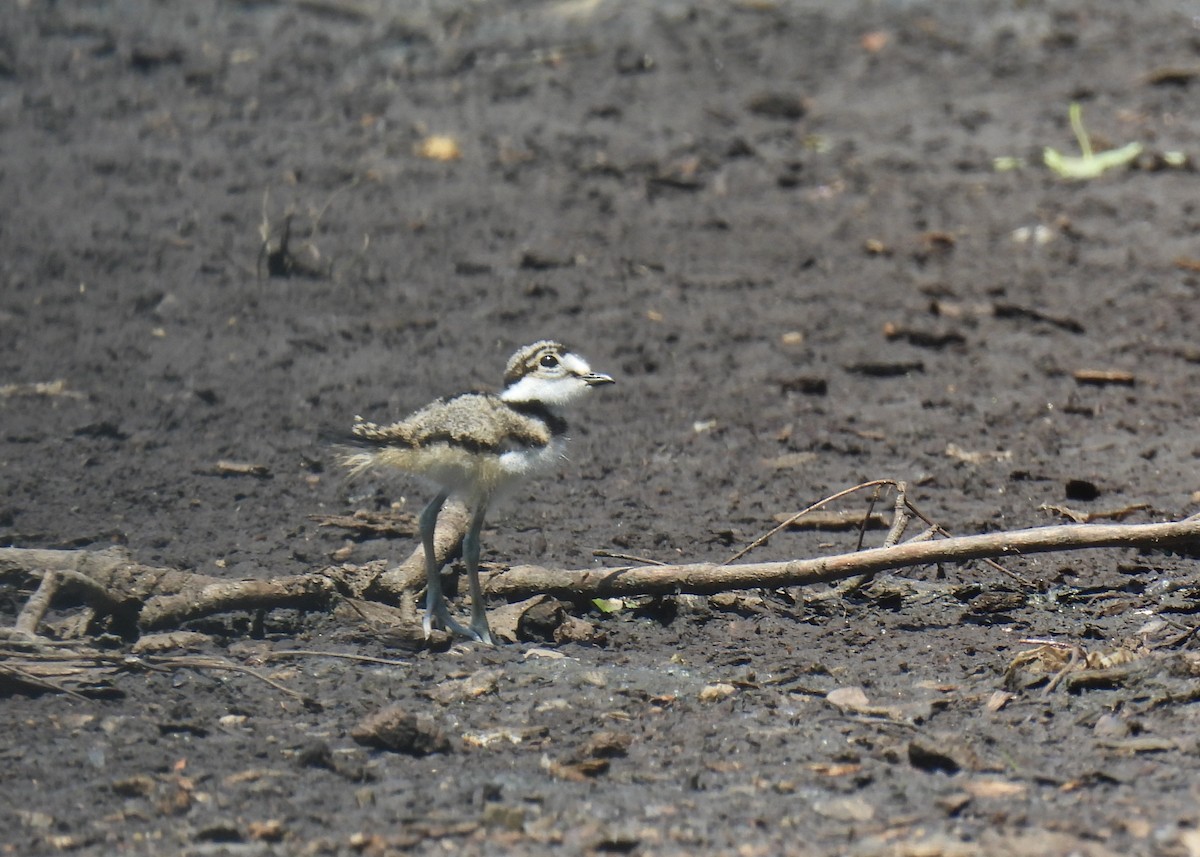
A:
[(475, 445)]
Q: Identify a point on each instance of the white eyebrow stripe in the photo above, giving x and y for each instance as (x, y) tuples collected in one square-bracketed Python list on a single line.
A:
[(575, 364)]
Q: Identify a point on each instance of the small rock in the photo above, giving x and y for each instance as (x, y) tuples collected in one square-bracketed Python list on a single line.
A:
[(170, 640), (848, 698), (219, 830), (954, 803), (845, 809), (270, 830), (991, 787), (593, 678), (723, 600), (395, 729), (539, 618), (998, 700), (479, 683), (1111, 726), (607, 745), (364, 797), (35, 819), (315, 754), (139, 785), (576, 630), (507, 817), (97, 757), (578, 772), (777, 105), (717, 692), (941, 753), (169, 307)]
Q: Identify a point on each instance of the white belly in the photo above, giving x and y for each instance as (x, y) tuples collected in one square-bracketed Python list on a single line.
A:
[(471, 476), (527, 462)]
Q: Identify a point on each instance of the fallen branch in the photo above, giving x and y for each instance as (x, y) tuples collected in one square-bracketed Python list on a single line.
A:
[(83, 671), (109, 580), (708, 578), (302, 591), (157, 598), (35, 608)]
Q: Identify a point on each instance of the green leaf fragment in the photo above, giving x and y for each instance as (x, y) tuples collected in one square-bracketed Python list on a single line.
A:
[(1088, 165)]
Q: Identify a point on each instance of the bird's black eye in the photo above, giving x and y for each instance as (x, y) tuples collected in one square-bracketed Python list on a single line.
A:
[(548, 361)]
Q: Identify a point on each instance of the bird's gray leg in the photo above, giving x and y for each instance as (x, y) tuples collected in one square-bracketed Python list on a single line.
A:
[(479, 622), (436, 611)]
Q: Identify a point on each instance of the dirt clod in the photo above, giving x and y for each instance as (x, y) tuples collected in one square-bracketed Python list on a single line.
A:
[(396, 729)]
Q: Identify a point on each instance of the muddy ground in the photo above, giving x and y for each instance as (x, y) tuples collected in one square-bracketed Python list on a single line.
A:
[(782, 228)]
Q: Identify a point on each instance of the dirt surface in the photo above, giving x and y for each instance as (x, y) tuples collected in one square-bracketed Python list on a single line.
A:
[(781, 228)]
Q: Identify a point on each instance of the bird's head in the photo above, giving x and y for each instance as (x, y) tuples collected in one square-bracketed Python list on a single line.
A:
[(549, 373)]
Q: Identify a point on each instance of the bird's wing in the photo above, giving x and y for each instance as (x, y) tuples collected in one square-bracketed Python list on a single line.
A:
[(474, 421)]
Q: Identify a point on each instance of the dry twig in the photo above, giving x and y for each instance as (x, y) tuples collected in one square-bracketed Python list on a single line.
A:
[(707, 578), (35, 608), (158, 598), (109, 580), (791, 521)]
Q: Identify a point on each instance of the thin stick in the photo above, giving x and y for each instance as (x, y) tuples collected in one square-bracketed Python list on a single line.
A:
[(644, 560), (862, 528), (764, 538), (17, 673), (209, 663), (902, 513), (367, 659), (35, 608), (707, 578), (1073, 659)]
